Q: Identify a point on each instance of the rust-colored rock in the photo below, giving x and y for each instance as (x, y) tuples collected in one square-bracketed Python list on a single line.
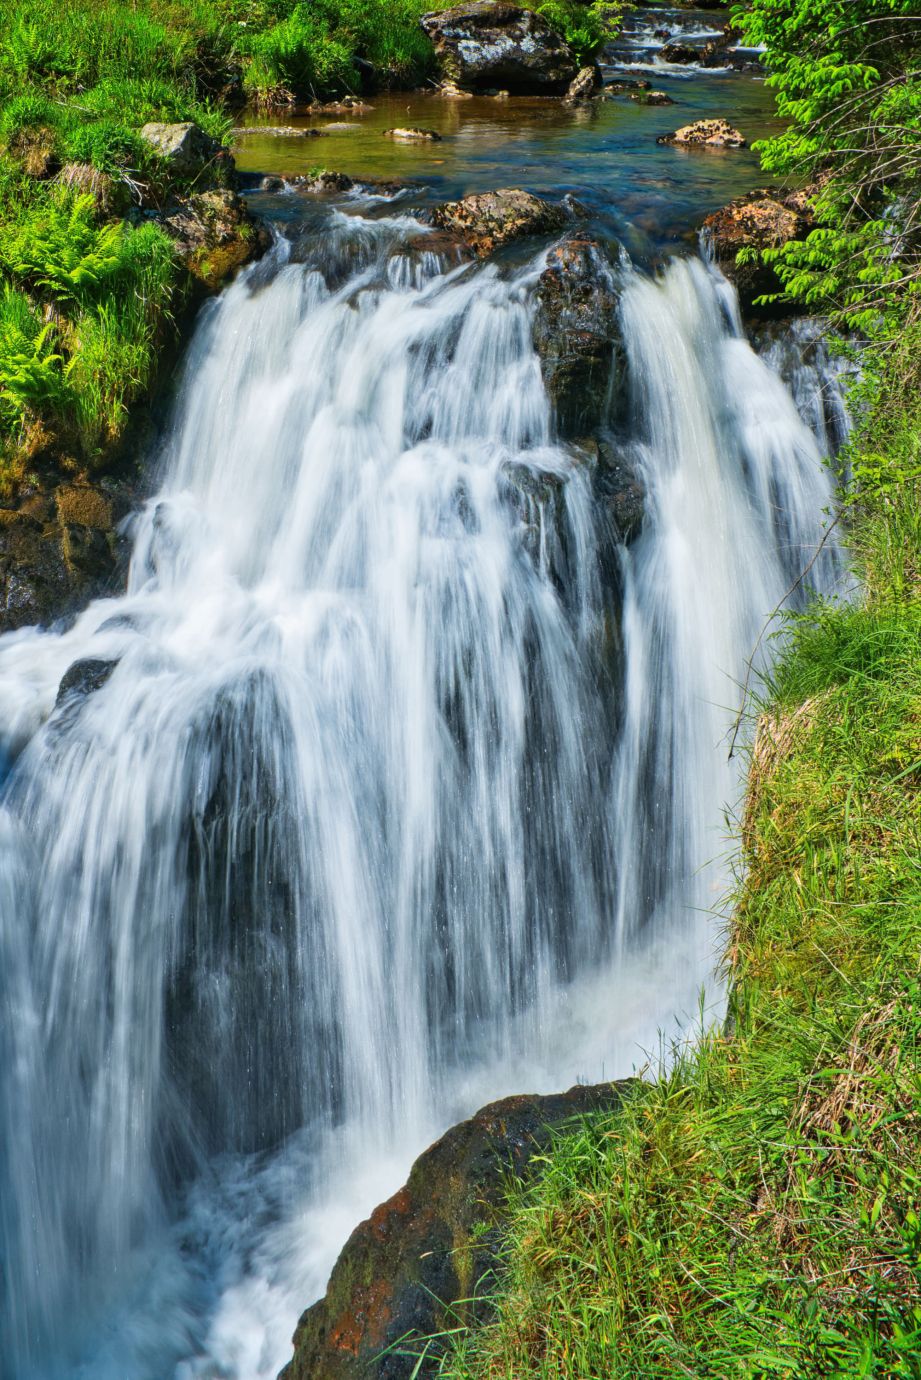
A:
[(759, 221), (427, 1247)]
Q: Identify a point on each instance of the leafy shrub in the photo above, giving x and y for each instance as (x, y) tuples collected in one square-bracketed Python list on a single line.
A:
[(585, 28)]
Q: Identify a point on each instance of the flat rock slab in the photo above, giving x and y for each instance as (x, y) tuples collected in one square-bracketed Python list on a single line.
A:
[(427, 1247), (276, 131)]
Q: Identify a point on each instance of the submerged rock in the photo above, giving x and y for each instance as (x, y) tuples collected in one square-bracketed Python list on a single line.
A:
[(714, 134), (487, 220), (413, 1267), (413, 135), (759, 221), (652, 98), (485, 45), (276, 132), (577, 335)]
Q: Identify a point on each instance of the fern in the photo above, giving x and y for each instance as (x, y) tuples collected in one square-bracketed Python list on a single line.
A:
[(66, 253)]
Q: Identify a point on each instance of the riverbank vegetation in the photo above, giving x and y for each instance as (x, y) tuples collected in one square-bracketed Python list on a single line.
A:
[(757, 1210)]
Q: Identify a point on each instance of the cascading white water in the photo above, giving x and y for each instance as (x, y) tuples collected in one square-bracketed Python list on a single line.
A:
[(352, 824)]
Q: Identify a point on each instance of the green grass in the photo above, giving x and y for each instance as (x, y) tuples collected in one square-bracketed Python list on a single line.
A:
[(756, 1212)]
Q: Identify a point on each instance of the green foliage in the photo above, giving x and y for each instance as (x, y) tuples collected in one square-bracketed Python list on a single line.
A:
[(65, 252), (30, 110), (31, 377), (585, 27), (106, 145), (848, 81)]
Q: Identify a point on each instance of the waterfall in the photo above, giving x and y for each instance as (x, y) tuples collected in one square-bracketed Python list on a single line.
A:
[(373, 796)]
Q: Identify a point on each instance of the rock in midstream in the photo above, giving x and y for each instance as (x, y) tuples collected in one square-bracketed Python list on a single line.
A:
[(413, 1267), (577, 335), (487, 220)]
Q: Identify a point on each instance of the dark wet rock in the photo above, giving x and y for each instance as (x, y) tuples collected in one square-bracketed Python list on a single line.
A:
[(576, 334), (484, 45), (450, 248), (185, 147), (84, 677), (214, 235), (622, 88), (490, 219), (428, 1246), (758, 221), (584, 85), (651, 98), (662, 34), (413, 135), (712, 134), (57, 550), (619, 488), (679, 53)]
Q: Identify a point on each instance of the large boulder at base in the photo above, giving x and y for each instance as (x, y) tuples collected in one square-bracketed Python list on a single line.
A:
[(214, 235), (428, 1246), (711, 134), (759, 221), (487, 220), (577, 334), (185, 147), (485, 45)]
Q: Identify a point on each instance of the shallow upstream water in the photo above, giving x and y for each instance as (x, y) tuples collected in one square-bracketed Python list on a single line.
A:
[(605, 154), (397, 782)]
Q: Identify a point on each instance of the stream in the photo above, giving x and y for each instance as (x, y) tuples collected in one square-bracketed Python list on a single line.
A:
[(397, 779)]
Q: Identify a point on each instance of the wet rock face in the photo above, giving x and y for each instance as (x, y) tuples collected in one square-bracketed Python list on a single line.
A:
[(576, 334), (56, 552), (428, 1246), (484, 45), (83, 677), (713, 134), (759, 221), (490, 219), (214, 235)]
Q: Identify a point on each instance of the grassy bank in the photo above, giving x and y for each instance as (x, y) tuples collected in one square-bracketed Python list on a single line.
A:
[(756, 1211)]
